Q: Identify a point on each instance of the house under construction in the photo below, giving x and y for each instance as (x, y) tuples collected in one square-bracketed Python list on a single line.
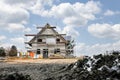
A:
[(48, 43)]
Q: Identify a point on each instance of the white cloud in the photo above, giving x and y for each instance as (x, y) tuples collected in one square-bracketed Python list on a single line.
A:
[(2, 37), (20, 3), (17, 40), (12, 17), (71, 31), (105, 30), (84, 49), (5, 45), (39, 7), (72, 15), (58, 29), (72, 21), (27, 29), (36, 6), (17, 1), (111, 13), (15, 27), (12, 14), (75, 14)]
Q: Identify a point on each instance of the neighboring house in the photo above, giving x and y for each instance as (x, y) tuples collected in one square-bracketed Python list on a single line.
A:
[(48, 42)]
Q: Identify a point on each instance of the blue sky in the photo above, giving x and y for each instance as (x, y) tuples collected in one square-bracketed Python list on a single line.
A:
[(94, 24)]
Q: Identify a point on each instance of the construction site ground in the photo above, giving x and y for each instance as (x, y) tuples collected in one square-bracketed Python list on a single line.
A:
[(41, 61), (38, 69)]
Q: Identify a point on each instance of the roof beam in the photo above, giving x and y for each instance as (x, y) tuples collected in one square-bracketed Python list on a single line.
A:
[(43, 27), (39, 27), (43, 34), (30, 34), (34, 42), (62, 34)]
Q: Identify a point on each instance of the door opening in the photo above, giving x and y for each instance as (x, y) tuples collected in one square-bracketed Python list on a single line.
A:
[(45, 53)]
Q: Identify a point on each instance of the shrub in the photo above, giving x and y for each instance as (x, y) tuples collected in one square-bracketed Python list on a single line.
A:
[(2, 52), (13, 51)]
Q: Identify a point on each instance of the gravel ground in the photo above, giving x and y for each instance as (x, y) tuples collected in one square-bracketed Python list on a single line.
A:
[(98, 67), (37, 69)]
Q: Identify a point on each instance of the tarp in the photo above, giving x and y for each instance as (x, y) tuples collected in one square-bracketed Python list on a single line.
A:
[(31, 54)]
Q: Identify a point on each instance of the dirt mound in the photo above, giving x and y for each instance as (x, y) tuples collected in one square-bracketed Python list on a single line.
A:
[(36, 71), (14, 76), (98, 67)]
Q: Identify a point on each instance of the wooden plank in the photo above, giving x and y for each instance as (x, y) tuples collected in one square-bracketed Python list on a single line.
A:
[(43, 34), (39, 27), (61, 51), (30, 34), (43, 27), (35, 42), (53, 27), (51, 34), (62, 34)]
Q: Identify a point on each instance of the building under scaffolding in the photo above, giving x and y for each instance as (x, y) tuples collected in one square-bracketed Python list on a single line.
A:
[(48, 42)]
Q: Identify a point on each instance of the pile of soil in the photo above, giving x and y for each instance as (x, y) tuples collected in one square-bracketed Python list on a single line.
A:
[(28, 71), (98, 67), (14, 76)]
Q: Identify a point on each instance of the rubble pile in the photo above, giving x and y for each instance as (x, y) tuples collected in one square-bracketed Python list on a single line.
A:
[(14, 76), (98, 67)]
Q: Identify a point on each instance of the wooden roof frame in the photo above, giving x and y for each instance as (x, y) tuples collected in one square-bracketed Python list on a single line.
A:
[(43, 27), (47, 26), (43, 34)]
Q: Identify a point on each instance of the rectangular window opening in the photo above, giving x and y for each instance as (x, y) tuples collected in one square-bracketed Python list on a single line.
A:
[(56, 51), (38, 51), (57, 40), (39, 40)]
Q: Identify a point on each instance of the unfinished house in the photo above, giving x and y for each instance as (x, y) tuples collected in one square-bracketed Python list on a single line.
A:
[(48, 43)]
